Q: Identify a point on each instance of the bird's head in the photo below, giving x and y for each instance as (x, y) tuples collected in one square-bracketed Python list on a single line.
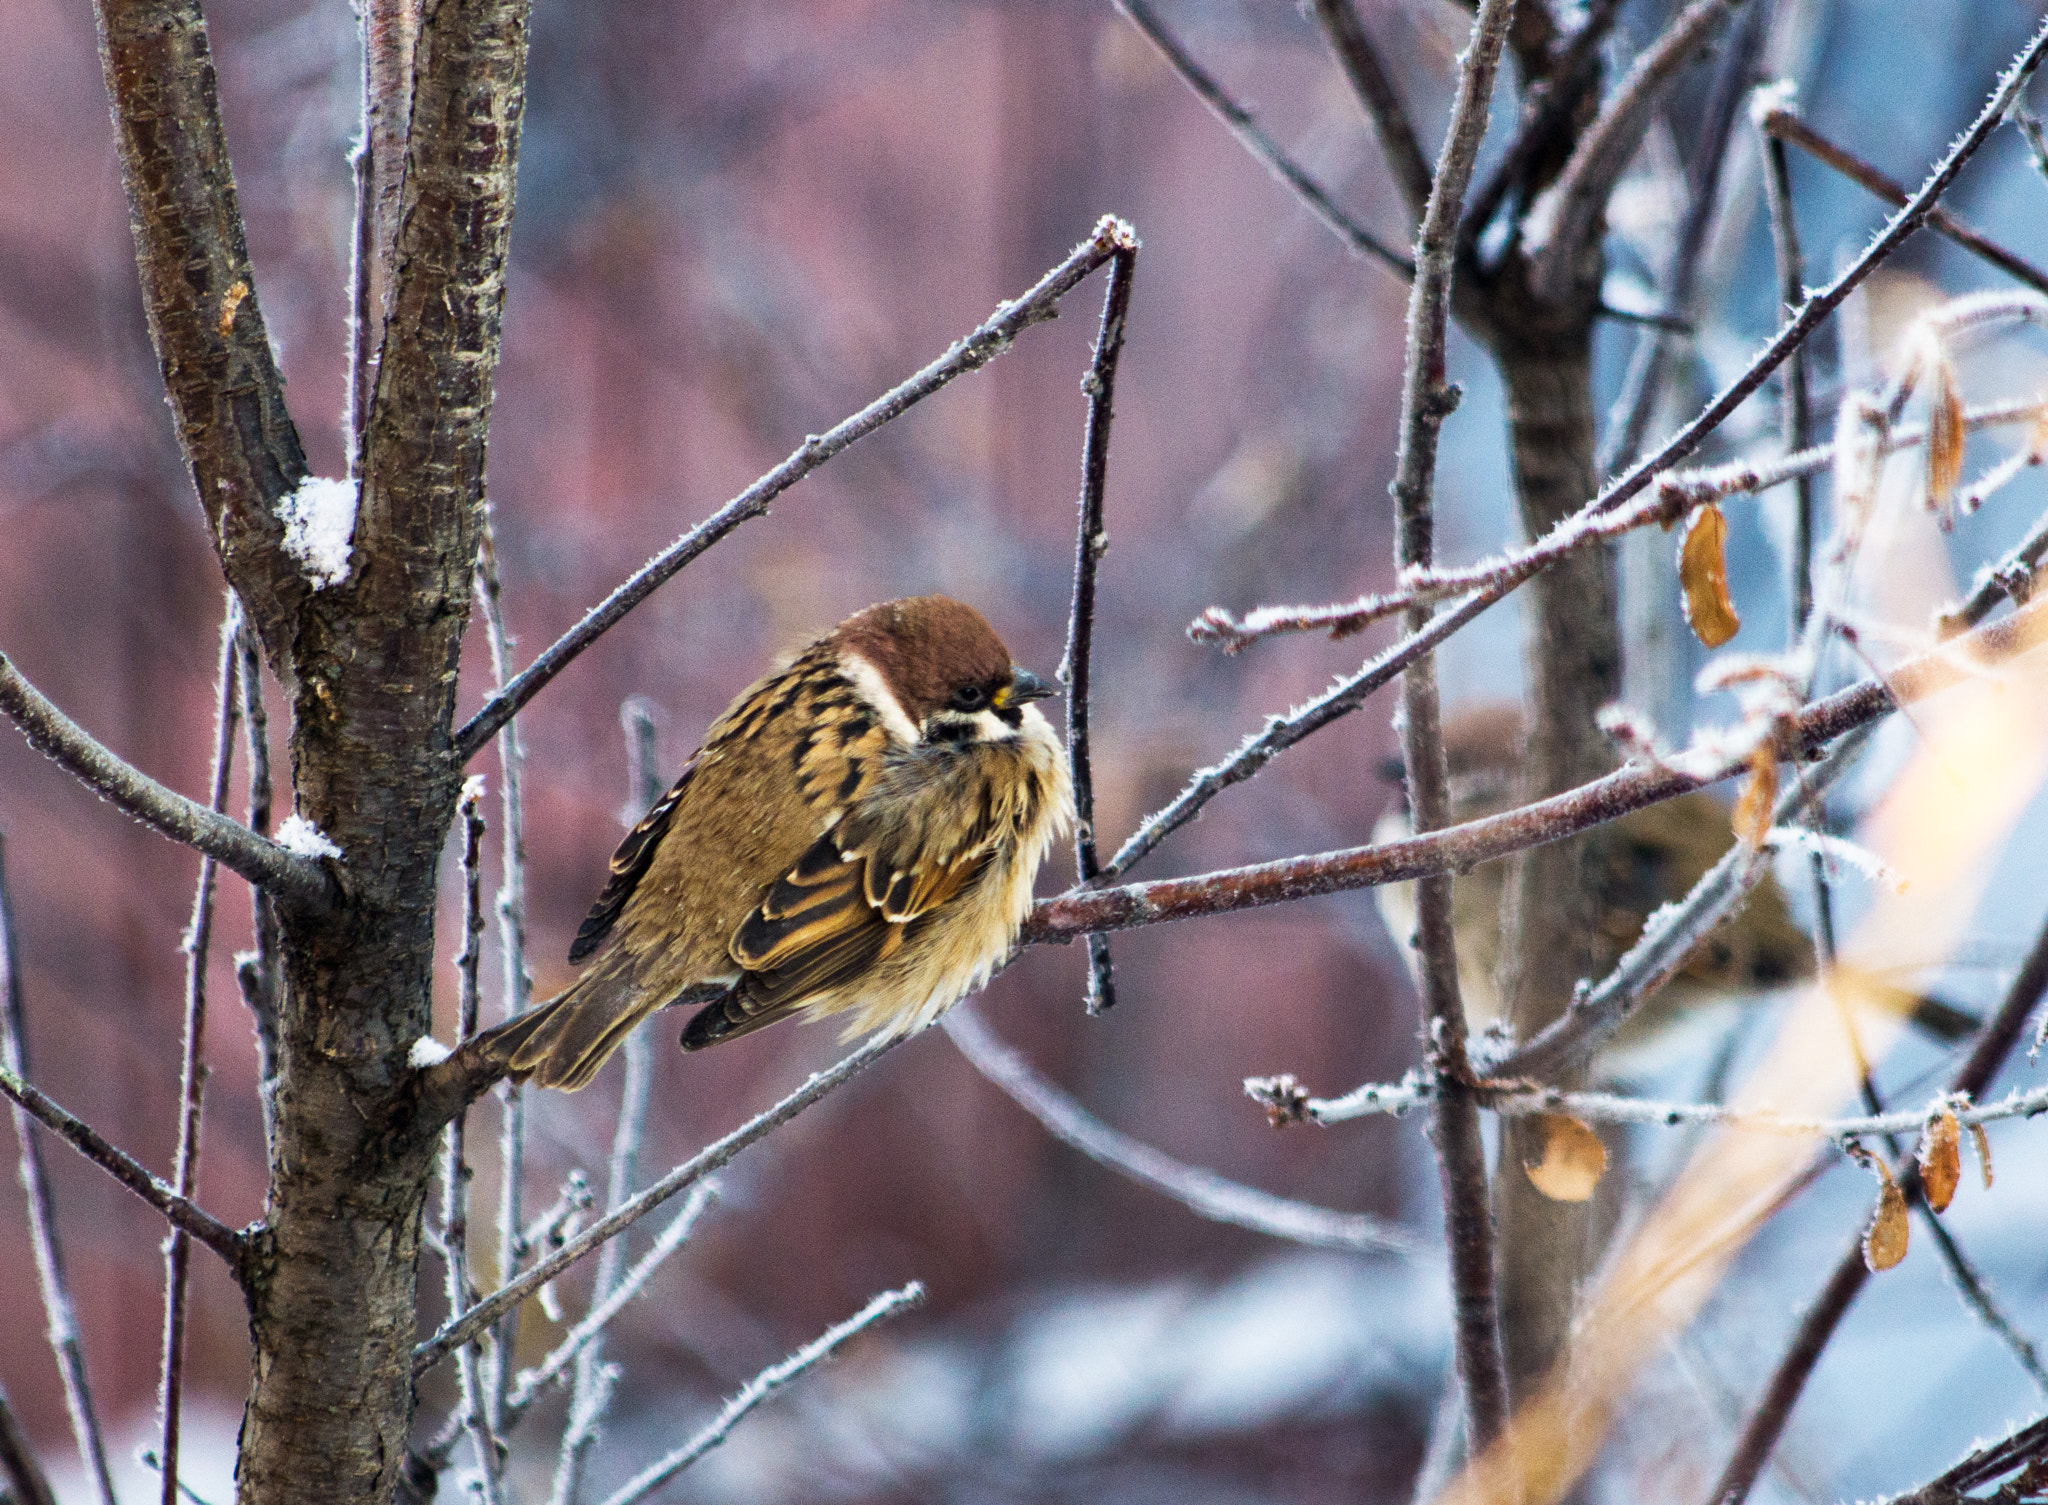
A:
[(936, 671)]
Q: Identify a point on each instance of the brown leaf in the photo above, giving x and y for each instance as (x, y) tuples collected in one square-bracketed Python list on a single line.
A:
[(1703, 576), (1944, 435), (1573, 1159), (1884, 1241), (1752, 817), (1941, 1160), (1983, 1143)]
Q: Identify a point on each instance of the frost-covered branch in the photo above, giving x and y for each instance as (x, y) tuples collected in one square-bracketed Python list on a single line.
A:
[(984, 344), (763, 1385), (1202, 1192), (293, 878), (1373, 83), (712, 1157)]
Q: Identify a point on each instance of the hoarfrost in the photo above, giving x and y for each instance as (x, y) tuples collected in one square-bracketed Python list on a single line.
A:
[(319, 528)]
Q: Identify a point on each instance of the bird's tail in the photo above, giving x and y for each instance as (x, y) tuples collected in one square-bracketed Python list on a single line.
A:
[(562, 1043)]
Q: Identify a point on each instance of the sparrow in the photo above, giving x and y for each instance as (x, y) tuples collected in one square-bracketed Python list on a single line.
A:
[(858, 834), (1648, 858)]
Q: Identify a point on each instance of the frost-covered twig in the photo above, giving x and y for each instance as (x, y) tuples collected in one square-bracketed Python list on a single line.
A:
[(2012, 578), (1242, 124), (256, 971), (454, 1165), (65, 1345), (712, 1157), (2027, 1445), (1785, 124), (1675, 494), (989, 340), (591, 1390), (192, 1058), (1091, 543), (578, 1340), (518, 982), (298, 880), (1202, 1192), (1513, 1099), (760, 1387), (1427, 399)]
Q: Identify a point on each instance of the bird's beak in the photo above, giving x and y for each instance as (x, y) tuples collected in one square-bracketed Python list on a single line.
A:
[(1024, 686)]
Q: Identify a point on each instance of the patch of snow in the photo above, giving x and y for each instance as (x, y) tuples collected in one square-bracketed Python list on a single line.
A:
[(297, 834), (319, 528), (427, 1051)]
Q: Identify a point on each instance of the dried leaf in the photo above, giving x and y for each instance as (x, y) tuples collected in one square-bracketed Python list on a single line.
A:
[(1703, 577), (1752, 818), (1982, 1141), (1573, 1159), (1884, 1242), (1941, 1160), (1944, 434)]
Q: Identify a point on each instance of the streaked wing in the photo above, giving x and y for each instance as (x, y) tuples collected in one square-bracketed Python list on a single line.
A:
[(629, 865)]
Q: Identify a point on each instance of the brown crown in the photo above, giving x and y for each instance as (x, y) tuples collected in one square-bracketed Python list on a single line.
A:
[(926, 648)]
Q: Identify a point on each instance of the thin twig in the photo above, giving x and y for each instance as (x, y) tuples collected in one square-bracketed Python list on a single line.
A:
[(760, 1387), (1456, 848), (300, 881), (518, 982), (1980, 1467), (65, 1343), (1091, 543), (18, 1463), (591, 1390), (1374, 85), (454, 1166), (989, 340), (1783, 123), (1975, 1293), (1427, 399), (1202, 1192), (1242, 124), (256, 972), (2012, 578), (585, 1335), (1516, 1099), (1767, 1421), (192, 1059), (712, 1157), (1557, 227)]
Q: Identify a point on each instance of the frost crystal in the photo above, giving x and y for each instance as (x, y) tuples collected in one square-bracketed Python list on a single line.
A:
[(297, 834), (319, 528), (427, 1051)]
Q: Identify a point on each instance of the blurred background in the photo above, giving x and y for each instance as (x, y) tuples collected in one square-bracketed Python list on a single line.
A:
[(737, 223)]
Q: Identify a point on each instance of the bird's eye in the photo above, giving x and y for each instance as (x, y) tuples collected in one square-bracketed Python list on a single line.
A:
[(970, 698)]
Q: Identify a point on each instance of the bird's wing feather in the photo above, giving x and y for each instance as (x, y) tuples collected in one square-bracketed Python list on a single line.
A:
[(629, 865)]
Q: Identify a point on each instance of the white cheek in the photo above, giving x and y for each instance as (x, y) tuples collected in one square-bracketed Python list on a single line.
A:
[(989, 727), (867, 679)]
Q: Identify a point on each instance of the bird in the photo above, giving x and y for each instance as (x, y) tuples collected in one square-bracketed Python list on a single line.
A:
[(1648, 858), (858, 835)]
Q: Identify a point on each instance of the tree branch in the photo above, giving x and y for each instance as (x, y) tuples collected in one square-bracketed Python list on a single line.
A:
[(1202, 1192), (1782, 123), (1563, 222), (296, 880), (18, 1463), (984, 344), (1091, 543), (1374, 86), (763, 1385), (1242, 124), (712, 1157), (2027, 1445), (1427, 399), (199, 291)]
